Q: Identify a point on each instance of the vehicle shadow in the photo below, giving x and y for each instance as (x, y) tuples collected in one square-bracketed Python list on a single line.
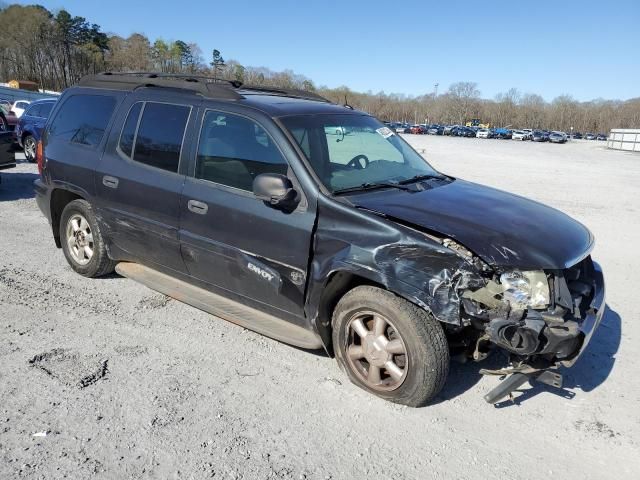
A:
[(596, 363), (463, 376), (16, 185), (589, 372)]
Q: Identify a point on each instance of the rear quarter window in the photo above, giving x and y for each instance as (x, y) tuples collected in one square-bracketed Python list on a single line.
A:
[(82, 119)]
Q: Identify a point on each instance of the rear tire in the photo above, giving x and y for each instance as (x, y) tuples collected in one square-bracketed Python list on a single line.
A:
[(29, 147), (82, 242), (389, 346)]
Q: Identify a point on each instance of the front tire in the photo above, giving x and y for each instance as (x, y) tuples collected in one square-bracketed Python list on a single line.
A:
[(389, 346), (82, 242)]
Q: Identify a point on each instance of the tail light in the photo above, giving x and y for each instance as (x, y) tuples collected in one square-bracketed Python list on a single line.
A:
[(40, 156)]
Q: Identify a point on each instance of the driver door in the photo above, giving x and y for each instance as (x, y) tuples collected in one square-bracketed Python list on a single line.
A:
[(229, 238)]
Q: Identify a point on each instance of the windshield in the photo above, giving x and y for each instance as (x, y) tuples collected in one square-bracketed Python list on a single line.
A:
[(348, 151)]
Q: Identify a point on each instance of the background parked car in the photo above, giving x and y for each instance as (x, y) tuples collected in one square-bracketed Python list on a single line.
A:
[(601, 137), (417, 129), (30, 126), (19, 106), (519, 135), (7, 155), (590, 136), (467, 132), (448, 129), (484, 133), (576, 135), (502, 133), (436, 130), (557, 137), (8, 119), (539, 136)]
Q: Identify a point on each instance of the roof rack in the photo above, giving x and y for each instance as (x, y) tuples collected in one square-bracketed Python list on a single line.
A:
[(288, 92), (206, 86)]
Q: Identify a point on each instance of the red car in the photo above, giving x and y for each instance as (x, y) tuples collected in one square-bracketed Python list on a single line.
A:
[(8, 119), (417, 129)]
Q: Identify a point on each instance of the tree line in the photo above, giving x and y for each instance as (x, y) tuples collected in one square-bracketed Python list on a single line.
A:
[(56, 49)]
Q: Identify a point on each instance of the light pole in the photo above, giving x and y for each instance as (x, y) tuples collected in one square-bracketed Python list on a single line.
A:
[(435, 90)]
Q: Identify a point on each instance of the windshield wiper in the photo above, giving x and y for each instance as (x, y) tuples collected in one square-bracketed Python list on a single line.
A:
[(371, 186), (419, 178)]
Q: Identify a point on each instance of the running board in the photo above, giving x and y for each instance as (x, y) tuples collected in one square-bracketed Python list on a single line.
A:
[(220, 306)]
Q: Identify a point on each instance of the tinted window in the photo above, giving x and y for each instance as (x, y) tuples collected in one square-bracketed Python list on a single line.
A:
[(233, 150), (33, 110), (45, 109), (82, 119), (159, 138), (129, 130)]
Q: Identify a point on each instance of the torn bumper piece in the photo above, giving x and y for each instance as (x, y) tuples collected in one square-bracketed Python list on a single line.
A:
[(585, 331), (594, 314)]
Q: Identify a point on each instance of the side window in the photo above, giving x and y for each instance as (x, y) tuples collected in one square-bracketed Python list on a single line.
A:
[(33, 110), (82, 119), (160, 133), (128, 134), (234, 150), (45, 109)]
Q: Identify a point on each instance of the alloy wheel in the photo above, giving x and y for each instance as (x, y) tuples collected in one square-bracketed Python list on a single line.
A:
[(79, 239), (30, 148), (376, 352)]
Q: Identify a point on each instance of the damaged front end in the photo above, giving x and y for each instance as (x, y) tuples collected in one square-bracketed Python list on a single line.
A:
[(543, 318)]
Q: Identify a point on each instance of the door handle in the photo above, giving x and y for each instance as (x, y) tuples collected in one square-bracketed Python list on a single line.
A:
[(197, 207), (111, 182)]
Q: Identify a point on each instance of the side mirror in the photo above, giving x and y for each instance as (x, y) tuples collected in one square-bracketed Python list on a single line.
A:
[(275, 189)]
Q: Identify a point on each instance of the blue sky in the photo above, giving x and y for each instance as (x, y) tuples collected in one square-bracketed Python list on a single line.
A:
[(584, 48)]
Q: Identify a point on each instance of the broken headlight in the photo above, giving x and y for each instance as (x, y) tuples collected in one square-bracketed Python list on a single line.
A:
[(526, 289)]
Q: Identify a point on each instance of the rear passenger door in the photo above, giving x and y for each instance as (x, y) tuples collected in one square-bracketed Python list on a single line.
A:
[(229, 238), (139, 181)]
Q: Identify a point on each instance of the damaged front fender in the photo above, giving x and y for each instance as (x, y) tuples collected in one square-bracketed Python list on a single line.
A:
[(410, 263)]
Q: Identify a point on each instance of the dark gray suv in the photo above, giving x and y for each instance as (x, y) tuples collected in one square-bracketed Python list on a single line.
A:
[(316, 225)]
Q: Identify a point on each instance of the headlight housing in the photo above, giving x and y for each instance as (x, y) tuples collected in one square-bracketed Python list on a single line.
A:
[(526, 289)]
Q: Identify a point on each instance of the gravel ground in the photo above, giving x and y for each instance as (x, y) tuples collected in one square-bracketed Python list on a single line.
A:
[(108, 379)]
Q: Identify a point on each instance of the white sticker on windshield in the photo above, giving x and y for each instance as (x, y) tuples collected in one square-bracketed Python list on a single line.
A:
[(386, 132)]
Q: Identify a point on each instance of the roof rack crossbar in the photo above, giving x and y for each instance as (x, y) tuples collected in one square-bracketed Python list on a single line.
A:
[(205, 86)]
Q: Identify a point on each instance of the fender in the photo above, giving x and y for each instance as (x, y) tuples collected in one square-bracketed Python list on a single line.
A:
[(404, 260)]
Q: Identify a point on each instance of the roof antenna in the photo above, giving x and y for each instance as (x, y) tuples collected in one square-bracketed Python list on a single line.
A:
[(346, 104)]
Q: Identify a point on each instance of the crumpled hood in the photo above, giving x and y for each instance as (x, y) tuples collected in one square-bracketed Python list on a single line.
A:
[(505, 230)]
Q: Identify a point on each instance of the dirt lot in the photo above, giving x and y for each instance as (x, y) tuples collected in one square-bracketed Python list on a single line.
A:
[(107, 379)]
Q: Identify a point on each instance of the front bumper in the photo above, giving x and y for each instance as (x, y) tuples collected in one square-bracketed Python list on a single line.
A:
[(543, 366), (593, 317)]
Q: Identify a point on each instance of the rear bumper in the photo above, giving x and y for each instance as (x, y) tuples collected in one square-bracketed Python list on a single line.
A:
[(594, 315)]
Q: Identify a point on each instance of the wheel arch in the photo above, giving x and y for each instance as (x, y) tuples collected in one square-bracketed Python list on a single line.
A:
[(25, 134), (60, 198), (338, 283)]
